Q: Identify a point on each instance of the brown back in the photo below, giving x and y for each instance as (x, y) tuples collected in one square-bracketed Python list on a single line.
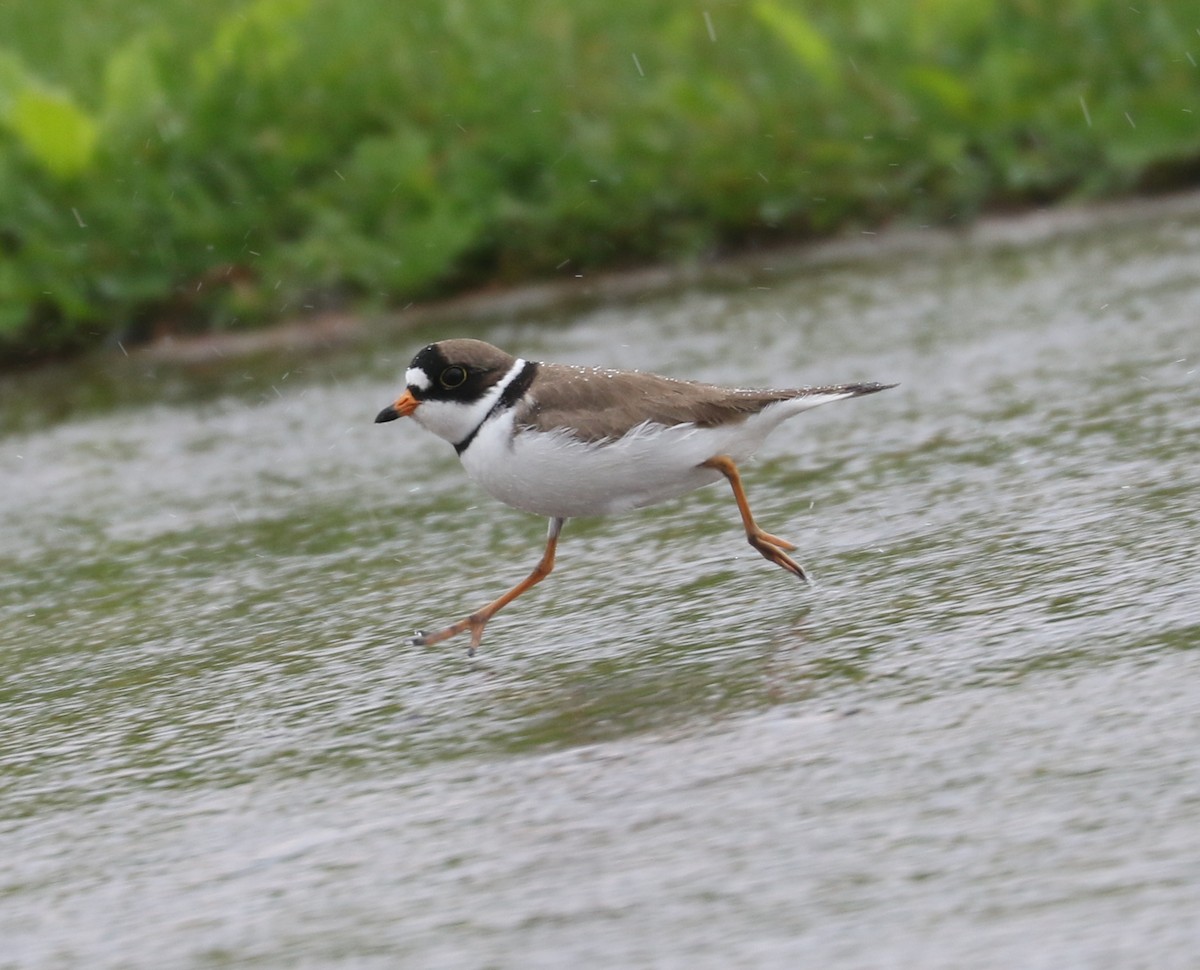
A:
[(595, 404)]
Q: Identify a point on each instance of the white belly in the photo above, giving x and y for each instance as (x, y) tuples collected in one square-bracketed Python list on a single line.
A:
[(553, 474)]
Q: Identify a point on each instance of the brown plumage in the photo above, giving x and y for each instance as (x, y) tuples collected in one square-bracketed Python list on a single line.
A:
[(595, 404)]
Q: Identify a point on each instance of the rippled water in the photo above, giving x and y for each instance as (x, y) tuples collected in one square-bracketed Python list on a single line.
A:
[(972, 743)]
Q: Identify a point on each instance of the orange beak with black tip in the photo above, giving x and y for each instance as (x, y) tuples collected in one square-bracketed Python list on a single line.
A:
[(403, 406)]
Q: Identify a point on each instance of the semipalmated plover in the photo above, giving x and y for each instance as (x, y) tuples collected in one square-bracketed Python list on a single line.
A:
[(564, 441)]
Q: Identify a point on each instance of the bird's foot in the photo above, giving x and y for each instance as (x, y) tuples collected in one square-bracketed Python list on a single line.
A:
[(776, 541), (775, 549), (475, 623)]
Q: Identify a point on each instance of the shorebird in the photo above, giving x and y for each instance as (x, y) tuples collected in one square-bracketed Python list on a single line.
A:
[(564, 442)]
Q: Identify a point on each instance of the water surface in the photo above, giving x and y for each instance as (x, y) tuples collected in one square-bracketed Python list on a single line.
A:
[(972, 742)]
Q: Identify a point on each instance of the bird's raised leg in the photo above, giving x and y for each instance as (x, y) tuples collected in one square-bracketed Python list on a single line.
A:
[(771, 547), (478, 620)]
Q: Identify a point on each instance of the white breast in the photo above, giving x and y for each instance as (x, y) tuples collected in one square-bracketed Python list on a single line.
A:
[(554, 474)]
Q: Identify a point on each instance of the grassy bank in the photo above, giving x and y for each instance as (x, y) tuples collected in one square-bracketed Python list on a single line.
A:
[(171, 166)]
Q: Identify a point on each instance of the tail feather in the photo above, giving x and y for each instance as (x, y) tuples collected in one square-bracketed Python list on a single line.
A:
[(843, 390), (803, 398)]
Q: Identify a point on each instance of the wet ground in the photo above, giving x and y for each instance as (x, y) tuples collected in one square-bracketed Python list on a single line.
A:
[(971, 743)]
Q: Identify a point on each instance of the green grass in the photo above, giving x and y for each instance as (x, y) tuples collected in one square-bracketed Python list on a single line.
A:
[(171, 166)]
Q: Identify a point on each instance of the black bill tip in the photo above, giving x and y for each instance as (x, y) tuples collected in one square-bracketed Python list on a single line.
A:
[(387, 414)]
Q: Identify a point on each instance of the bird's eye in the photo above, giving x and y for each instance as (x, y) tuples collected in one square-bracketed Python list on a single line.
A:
[(453, 377)]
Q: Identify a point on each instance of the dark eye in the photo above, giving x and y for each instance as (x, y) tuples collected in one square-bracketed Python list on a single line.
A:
[(453, 377)]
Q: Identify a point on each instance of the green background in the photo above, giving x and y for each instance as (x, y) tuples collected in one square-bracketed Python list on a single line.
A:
[(169, 166)]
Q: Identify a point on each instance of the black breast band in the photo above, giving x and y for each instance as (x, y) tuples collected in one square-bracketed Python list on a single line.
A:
[(508, 397)]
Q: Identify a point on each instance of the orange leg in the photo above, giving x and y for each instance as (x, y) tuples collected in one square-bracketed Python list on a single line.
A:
[(478, 620), (771, 547)]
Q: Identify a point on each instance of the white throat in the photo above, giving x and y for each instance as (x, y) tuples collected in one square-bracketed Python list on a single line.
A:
[(455, 420)]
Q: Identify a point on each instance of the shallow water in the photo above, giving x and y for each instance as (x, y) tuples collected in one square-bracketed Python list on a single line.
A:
[(972, 742)]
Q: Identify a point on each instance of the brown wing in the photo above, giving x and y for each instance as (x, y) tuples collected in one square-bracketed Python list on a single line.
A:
[(595, 404)]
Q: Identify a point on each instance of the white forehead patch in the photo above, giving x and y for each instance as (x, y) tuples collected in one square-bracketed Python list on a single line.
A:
[(415, 377)]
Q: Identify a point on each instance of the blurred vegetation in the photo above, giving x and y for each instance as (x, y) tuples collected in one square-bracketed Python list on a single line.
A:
[(172, 166)]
